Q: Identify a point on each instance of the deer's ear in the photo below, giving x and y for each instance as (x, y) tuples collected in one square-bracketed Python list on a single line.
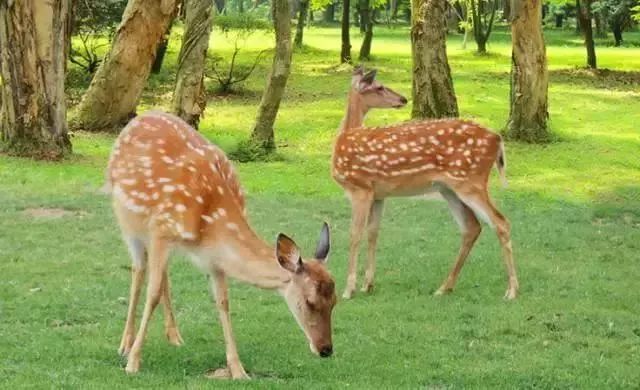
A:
[(324, 244), (288, 254), (369, 77)]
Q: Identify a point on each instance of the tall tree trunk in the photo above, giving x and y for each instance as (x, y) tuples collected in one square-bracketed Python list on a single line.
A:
[(161, 51), (188, 98), (115, 90), (584, 17), (329, 15), (528, 112), (262, 135), (616, 28), (34, 38), (394, 10), (345, 52), (433, 94), (601, 31), (506, 10), (221, 6), (302, 17), (241, 6), (365, 12)]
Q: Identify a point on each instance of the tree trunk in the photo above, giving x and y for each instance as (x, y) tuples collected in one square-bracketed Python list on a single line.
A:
[(241, 6), (506, 10), (617, 33), (221, 6), (114, 92), (394, 10), (600, 25), (329, 13), (528, 112), (302, 17), (433, 94), (365, 12), (34, 38), (161, 51), (262, 135), (345, 52), (188, 98), (584, 16)]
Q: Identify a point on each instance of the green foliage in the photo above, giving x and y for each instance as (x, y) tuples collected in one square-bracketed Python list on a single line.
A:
[(636, 13), (236, 28), (94, 23), (244, 24)]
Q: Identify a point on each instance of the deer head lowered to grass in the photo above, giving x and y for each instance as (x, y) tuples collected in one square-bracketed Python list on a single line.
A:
[(172, 188), (451, 156)]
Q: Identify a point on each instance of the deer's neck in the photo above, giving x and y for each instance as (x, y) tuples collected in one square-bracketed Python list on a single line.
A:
[(356, 112), (242, 255)]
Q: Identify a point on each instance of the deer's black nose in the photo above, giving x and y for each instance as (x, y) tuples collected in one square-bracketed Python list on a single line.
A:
[(403, 100), (326, 351)]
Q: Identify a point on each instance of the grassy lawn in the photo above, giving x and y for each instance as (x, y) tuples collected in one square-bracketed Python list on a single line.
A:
[(574, 207)]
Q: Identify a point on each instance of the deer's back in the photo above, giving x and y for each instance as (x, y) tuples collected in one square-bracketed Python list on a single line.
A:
[(166, 176), (411, 156)]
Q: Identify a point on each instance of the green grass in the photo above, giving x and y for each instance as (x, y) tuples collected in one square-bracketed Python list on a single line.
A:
[(574, 206)]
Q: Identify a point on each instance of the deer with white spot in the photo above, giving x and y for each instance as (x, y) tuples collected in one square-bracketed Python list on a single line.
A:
[(173, 189), (451, 156)]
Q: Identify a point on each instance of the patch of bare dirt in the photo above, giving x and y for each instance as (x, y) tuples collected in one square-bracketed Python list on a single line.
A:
[(51, 212)]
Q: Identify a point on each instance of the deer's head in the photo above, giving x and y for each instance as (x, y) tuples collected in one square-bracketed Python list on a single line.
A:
[(310, 294), (372, 93)]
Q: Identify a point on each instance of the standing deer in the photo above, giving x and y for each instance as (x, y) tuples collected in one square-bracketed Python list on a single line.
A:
[(451, 156), (173, 189)]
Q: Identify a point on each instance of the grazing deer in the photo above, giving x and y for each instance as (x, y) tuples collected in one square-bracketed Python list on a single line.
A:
[(172, 188), (451, 156)]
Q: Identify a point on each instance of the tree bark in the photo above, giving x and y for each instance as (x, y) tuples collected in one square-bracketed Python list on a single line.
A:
[(345, 52), (34, 38), (365, 14), (584, 17), (433, 94), (329, 13), (528, 112), (263, 134), (161, 51), (302, 17), (115, 90), (617, 34), (188, 98), (221, 6), (506, 10)]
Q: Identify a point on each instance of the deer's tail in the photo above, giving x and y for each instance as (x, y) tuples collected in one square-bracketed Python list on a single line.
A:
[(501, 163)]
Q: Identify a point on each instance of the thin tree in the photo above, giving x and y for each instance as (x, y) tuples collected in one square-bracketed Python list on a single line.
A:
[(367, 23), (188, 98), (34, 37), (262, 135), (528, 112), (482, 21), (302, 17), (432, 87), (584, 20), (345, 52), (115, 90)]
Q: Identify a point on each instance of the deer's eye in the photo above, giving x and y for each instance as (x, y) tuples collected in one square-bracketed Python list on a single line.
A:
[(380, 88)]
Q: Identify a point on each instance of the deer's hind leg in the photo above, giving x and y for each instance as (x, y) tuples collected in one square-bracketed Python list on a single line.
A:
[(138, 254), (170, 325), (482, 206), (469, 228)]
